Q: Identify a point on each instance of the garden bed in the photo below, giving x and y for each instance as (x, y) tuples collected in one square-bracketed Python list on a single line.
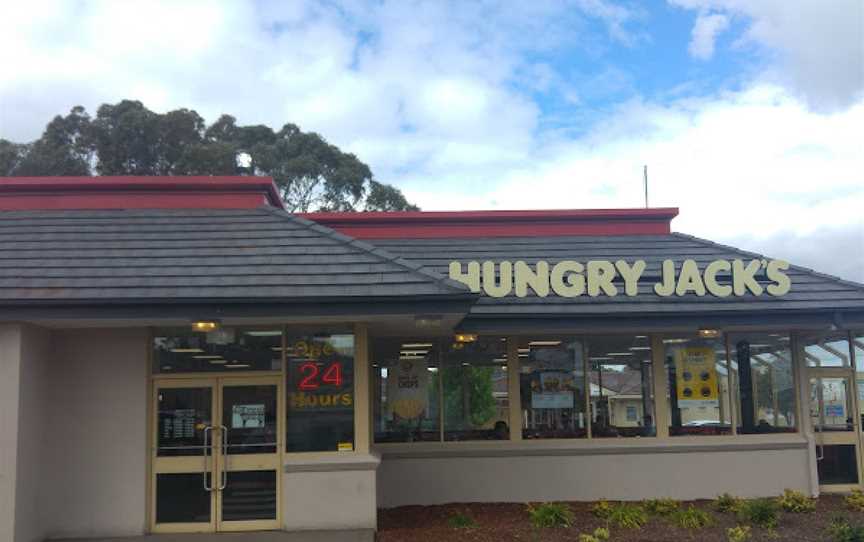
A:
[(511, 522)]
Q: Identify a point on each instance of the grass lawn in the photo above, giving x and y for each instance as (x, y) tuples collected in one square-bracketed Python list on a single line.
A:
[(661, 521)]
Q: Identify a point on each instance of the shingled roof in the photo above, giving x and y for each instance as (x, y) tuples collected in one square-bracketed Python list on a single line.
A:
[(811, 291), (213, 255)]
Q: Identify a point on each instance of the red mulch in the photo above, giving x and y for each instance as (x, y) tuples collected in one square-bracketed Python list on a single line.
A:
[(500, 522)]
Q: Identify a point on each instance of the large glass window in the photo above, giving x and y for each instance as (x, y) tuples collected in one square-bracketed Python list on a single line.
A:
[(474, 380), (552, 388), (227, 349), (622, 398), (697, 392), (320, 399), (764, 383), (406, 391), (421, 383)]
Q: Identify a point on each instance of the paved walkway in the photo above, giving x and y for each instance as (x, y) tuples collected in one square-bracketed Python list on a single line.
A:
[(259, 536)]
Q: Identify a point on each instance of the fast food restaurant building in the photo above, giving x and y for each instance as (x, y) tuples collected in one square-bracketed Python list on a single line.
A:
[(183, 355)]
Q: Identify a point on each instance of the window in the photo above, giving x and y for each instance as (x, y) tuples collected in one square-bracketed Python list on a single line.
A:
[(620, 377), (697, 386), (320, 392), (421, 383), (761, 367), (474, 379), (827, 350), (552, 388), (406, 388), (226, 349)]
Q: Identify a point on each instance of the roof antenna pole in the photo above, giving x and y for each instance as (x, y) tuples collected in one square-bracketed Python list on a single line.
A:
[(645, 177)]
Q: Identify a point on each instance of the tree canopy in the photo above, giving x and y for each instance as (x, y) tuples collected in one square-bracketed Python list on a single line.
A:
[(126, 138)]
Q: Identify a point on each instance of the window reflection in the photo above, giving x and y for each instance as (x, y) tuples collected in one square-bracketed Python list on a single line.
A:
[(552, 388), (406, 404), (761, 366), (622, 398), (698, 386)]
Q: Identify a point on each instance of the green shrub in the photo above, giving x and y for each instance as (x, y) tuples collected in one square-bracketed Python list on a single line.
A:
[(599, 535), (602, 510), (855, 500), (461, 521), (628, 516), (841, 531), (727, 503), (760, 512), (796, 502), (661, 507), (692, 518), (739, 533), (550, 514)]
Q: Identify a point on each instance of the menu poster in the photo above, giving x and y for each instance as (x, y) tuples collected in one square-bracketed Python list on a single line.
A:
[(407, 388), (696, 377), (180, 423)]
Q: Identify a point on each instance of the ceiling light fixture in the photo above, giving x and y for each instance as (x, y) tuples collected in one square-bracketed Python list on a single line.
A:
[(709, 333), (205, 326), (465, 337)]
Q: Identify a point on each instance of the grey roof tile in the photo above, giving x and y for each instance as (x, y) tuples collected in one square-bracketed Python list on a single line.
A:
[(198, 255), (810, 290)]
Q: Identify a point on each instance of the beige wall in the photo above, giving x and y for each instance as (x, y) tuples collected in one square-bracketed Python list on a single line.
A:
[(35, 355), (94, 460), (611, 472), (10, 369), (330, 491)]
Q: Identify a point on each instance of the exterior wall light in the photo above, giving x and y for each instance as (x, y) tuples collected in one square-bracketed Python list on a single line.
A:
[(709, 333), (205, 326), (465, 337)]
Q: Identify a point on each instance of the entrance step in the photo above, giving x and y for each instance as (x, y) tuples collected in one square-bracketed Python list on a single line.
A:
[(358, 535)]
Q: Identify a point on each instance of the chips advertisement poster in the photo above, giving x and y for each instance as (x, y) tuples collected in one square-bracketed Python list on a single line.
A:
[(696, 377), (407, 388)]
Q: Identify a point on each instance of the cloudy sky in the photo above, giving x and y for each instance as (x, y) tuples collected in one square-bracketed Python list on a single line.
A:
[(749, 115)]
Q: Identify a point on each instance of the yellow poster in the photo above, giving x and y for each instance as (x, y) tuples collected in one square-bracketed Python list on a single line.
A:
[(696, 376)]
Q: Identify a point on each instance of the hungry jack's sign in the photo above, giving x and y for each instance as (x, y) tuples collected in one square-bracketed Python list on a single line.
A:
[(598, 277)]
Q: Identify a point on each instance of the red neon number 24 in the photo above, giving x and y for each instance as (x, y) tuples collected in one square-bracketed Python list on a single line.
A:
[(309, 371)]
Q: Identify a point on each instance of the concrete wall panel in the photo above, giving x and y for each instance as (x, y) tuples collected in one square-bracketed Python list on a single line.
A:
[(341, 499), (620, 476), (95, 458)]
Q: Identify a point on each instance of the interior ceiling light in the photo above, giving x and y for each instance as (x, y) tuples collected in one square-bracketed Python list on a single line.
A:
[(709, 333), (237, 365), (675, 341), (544, 343), (187, 351), (619, 354), (465, 337), (219, 361), (205, 326), (207, 356), (640, 348), (264, 333), (417, 345)]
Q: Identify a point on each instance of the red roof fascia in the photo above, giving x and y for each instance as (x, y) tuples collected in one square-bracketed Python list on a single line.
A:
[(443, 224), (134, 192)]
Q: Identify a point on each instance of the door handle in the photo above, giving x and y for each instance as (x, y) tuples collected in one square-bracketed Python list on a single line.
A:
[(224, 483), (206, 450)]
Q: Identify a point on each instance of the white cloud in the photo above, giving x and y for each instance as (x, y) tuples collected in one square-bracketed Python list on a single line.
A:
[(429, 95), (755, 168), (814, 47), (705, 32)]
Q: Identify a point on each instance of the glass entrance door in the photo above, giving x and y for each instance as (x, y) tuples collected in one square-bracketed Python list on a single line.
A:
[(834, 409), (216, 454)]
